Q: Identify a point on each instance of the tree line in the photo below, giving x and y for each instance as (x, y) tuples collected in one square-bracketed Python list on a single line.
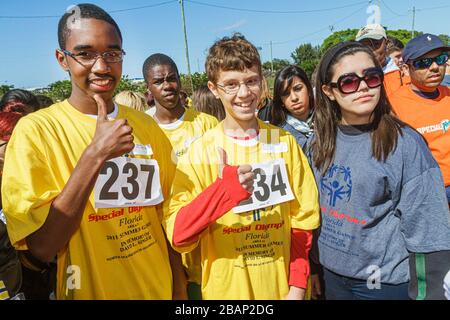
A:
[(305, 56)]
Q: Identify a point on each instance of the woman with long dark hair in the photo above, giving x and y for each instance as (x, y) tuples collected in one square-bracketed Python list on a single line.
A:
[(384, 210), (293, 103)]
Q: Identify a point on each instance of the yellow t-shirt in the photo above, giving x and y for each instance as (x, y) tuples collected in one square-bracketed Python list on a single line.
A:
[(247, 255), (116, 253), (191, 128)]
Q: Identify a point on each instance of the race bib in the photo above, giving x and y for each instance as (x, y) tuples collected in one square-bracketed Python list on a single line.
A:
[(271, 187), (128, 182)]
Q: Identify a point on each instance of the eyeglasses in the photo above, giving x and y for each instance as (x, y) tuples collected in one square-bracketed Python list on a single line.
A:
[(232, 88), (425, 63), (88, 58), (350, 82), (372, 43)]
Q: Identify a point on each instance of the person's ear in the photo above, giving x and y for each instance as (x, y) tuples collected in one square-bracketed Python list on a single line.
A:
[(405, 69), (212, 87), (328, 92), (62, 60)]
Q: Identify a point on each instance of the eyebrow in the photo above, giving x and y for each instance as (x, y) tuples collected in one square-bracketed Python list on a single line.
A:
[(86, 46)]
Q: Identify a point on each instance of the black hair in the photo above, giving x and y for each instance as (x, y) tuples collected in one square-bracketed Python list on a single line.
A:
[(86, 11), (385, 127), (282, 86), (157, 59), (20, 95), (44, 101)]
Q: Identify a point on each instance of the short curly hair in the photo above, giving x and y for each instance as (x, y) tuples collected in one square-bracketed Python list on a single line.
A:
[(231, 53)]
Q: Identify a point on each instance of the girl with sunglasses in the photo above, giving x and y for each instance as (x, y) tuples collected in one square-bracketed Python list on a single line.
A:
[(384, 211), (293, 102)]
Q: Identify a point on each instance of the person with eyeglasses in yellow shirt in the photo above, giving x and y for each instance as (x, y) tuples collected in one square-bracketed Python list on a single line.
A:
[(244, 193), (84, 179)]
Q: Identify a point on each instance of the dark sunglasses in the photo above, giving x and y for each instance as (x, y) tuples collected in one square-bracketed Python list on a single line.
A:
[(425, 63), (350, 82)]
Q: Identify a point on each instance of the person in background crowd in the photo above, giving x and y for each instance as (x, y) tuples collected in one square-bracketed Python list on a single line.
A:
[(185, 100), (394, 49), (131, 99), (265, 104), (385, 230), (182, 127), (446, 81), (425, 103), (28, 100), (10, 266), (58, 193), (44, 101), (293, 103), (203, 100), (150, 104), (374, 36)]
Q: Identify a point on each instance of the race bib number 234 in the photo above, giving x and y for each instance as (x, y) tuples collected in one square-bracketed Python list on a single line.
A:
[(128, 182), (271, 187)]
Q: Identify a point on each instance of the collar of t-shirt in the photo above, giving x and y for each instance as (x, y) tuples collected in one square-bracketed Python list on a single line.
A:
[(427, 95), (173, 125), (355, 130), (389, 65), (111, 115)]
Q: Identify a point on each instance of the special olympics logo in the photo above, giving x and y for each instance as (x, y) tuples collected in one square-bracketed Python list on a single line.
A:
[(337, 184)]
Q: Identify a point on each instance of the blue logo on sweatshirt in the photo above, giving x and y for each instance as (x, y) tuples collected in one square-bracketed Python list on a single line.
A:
[(337, 184)]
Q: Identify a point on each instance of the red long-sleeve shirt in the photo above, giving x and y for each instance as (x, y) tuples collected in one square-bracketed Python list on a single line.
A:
[(219, 198)]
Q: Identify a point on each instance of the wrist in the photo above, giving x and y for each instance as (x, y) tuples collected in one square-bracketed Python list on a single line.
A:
[(94, 156)]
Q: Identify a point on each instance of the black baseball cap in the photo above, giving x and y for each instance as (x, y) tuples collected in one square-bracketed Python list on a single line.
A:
[(421, 45)]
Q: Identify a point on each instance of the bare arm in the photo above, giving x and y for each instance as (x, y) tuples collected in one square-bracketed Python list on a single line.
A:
[(111, 139)]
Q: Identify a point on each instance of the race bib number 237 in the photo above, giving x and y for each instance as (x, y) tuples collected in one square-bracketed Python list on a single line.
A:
[(128, 182)]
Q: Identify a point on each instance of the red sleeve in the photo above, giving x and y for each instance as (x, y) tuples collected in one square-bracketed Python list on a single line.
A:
[(301, 241), (219, 198)]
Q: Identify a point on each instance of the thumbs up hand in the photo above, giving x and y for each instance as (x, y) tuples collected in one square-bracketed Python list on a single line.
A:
[(245, 174), (112, 138)]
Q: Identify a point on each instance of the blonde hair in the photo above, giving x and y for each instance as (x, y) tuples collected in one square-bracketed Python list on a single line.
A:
[(132, 99), (203, 100)]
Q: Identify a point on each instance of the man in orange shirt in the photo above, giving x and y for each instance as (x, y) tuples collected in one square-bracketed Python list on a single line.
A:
[(425, 104)]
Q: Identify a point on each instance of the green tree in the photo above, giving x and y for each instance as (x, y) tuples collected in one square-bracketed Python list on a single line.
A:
[(307, 57), (198, 79), (278, 64), (58, 91), (403, 35), (445, 39), (4, 88), (127, 84), (337, 37)]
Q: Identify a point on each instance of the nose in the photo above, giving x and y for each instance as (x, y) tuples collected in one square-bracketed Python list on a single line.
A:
[(100, 66), (434, 66), (363, 86), (243, 91), (293, 96)]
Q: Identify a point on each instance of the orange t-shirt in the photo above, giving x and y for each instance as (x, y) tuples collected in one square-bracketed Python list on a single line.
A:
[(431, 117), (394, 81)]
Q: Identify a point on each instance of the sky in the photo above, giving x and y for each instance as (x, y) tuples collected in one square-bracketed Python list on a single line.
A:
[(29, 29)]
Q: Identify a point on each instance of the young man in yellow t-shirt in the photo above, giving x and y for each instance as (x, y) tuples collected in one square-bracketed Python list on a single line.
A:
[(181, 125), (84, 179), (244, 192)]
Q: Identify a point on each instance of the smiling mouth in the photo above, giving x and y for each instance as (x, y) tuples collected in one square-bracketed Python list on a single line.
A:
[(102, 82)]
